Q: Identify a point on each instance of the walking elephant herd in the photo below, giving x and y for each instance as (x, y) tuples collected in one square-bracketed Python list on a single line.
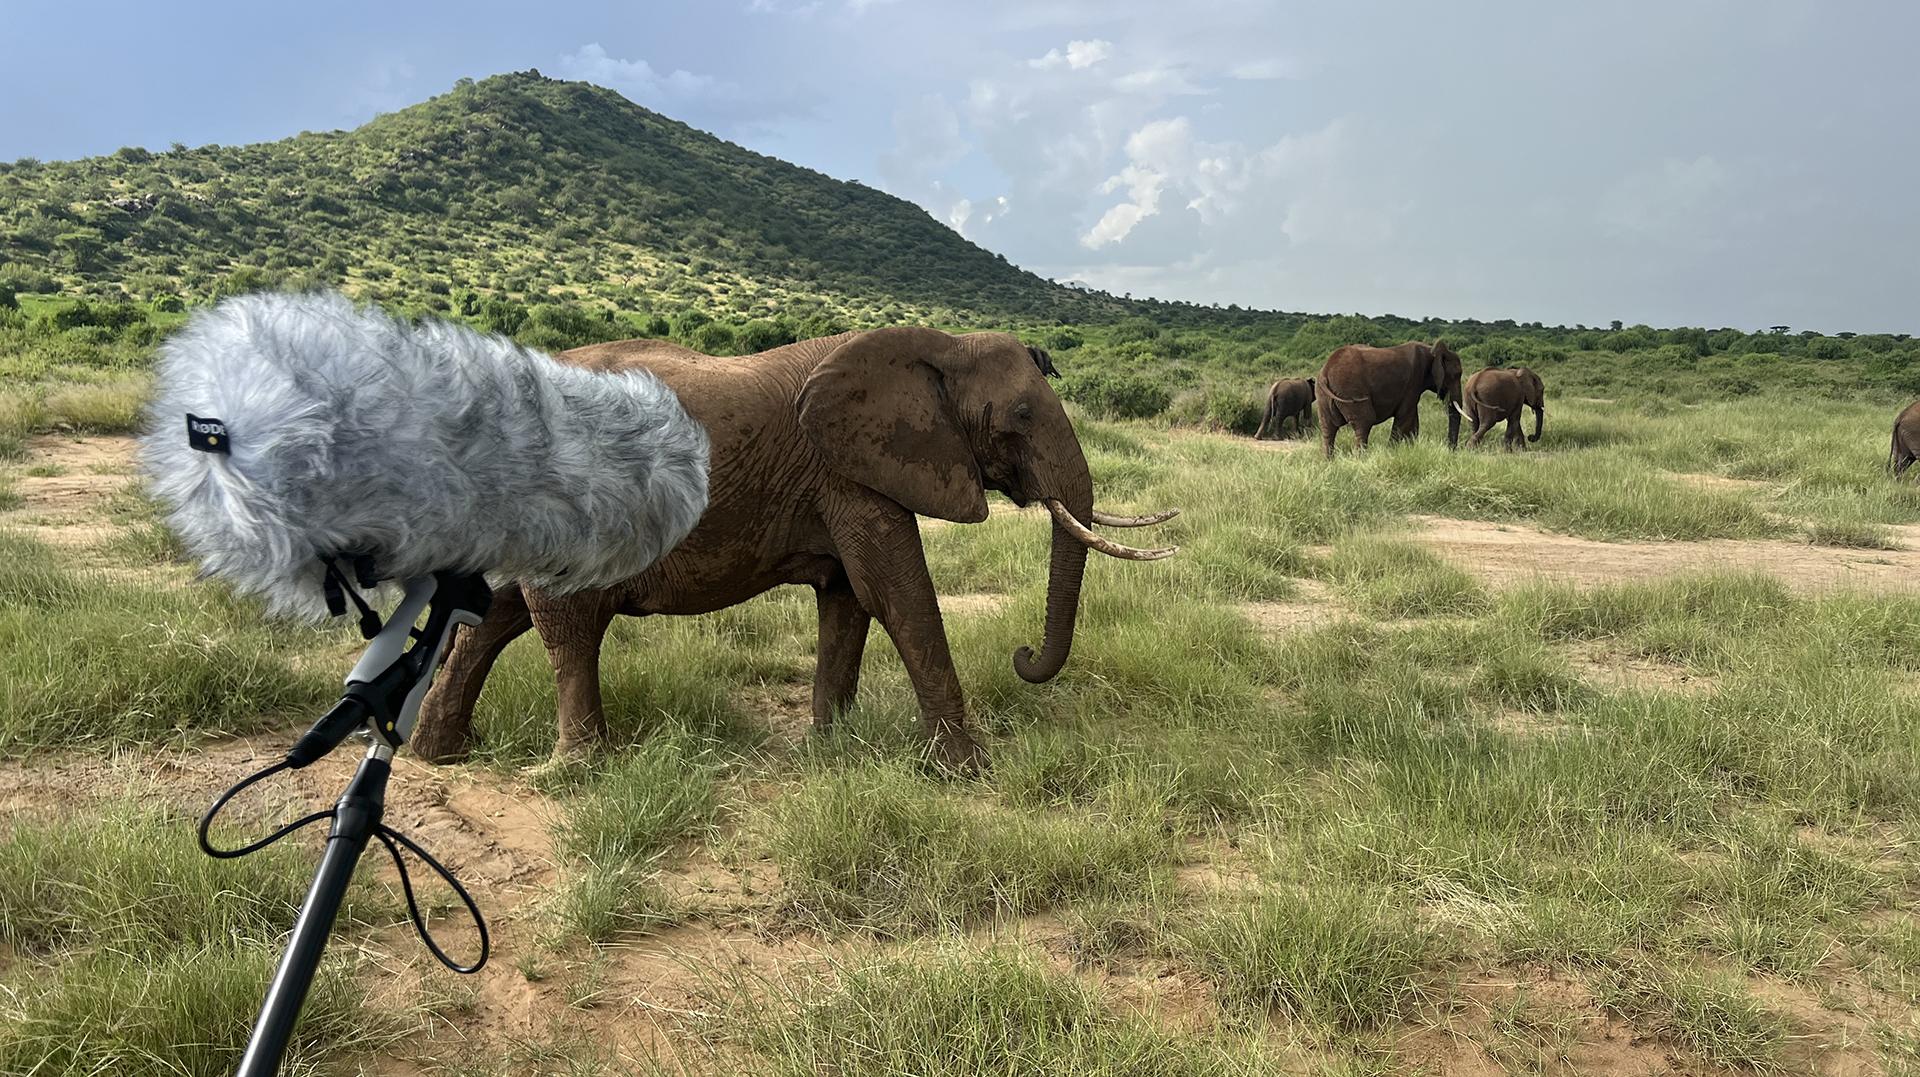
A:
[(1362, 387)]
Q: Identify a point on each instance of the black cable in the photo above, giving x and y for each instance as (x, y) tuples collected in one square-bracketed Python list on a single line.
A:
[(206, 821), (388, 836)]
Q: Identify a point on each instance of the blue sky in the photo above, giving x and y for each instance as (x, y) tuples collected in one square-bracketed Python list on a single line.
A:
[(1721, 162)]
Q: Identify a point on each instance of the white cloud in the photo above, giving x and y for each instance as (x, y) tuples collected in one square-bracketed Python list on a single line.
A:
[(1265, 70), (1164, 80), (637, 79), (1079, 55)]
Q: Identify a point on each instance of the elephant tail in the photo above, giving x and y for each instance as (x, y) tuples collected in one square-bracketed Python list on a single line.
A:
[(1270, 417), (1338, 399)]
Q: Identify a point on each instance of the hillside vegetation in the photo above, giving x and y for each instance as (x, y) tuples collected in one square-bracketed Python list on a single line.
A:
[(562, 214)]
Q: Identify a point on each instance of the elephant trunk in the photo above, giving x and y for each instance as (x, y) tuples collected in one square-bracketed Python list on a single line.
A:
[(1066, 568), (1539, 419), (1454, 412)]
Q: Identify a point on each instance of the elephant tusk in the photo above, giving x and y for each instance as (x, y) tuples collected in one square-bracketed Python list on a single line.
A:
[(1106, 546), (1462, 411), (1108, 519)]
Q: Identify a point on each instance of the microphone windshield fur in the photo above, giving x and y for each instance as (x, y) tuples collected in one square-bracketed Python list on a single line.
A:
[(428, 447)]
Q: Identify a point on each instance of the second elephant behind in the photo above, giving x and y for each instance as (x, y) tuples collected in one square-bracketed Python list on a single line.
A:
[(1288, 398), (1499, 394)]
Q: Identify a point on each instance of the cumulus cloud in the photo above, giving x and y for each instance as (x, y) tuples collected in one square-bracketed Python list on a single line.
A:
[(700, 99), (1079, 54), (636, 79)]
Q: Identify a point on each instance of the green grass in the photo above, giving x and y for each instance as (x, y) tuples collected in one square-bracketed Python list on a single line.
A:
[(1332, 824), (1711, 1014), (1335, 960), (640, 804), (136, 953), (603, 905), (878, 848), (87, 659), (182, 1012), (960, 1011)]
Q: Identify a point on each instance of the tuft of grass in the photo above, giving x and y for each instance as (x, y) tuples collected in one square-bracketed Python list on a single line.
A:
[(88, 659), (1196, 779), (962, 1012), (640, 803), (1341, 961), (1711, 1014), (181, 1012), (138, 954), (131, 878), (603, 904), (875, 847), (1392, 579), (111, 405)]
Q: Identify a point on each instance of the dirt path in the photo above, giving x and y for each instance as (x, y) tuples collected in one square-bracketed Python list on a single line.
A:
[(1508, 554), (66, 487)]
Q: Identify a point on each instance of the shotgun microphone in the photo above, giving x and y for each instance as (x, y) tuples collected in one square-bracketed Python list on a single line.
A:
[(288, 432)]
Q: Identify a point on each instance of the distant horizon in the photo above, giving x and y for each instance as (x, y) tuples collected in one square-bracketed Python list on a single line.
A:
[(1230, 160)]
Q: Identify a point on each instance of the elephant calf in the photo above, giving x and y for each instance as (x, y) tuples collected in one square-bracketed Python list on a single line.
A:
[(1906, 440), (1498, 393), (1288, 398)]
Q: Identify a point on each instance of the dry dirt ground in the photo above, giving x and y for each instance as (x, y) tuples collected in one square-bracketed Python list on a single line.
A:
[(495, 830)]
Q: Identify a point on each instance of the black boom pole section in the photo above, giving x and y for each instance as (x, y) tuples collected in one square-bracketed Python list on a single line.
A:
[(355, 818)]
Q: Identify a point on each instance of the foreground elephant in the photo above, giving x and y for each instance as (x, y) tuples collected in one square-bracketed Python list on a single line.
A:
[(1362, 387), (1289, 398), (822, 454), (1501, 393), (1906, 440)]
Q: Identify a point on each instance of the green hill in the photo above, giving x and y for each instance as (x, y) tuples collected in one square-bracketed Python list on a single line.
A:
[(517, 186)]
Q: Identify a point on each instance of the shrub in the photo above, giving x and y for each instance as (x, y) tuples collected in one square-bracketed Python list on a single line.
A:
[(761, 334), (502, 316), (713, 338), (1112, 395)]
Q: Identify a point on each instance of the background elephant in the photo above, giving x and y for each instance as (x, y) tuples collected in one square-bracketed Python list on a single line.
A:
[(822, 454), (1906, 440), (1363, 387), (1498, 393), (1287, 398)]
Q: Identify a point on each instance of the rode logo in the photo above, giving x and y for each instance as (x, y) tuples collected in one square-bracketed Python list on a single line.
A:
[(207, 435)]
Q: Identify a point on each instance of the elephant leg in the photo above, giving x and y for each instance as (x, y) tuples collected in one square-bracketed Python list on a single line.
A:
[(843, 640), (1330, 421), (1406, 424), (1516, 437), (445, 732), (1901, 465), (573, 629), (888, 570)]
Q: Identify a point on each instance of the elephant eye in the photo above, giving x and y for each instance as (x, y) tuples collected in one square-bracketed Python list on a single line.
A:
[(1023, 412)]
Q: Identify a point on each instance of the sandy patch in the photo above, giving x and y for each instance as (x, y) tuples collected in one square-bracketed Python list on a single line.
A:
[(1504, 554)]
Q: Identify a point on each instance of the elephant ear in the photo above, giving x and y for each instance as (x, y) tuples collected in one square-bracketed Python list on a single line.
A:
[(1044, 361), (879, 410), (1437, 368)]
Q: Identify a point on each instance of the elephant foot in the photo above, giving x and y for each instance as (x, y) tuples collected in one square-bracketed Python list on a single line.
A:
[(438, 743), (953, 750), (570, 758)]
